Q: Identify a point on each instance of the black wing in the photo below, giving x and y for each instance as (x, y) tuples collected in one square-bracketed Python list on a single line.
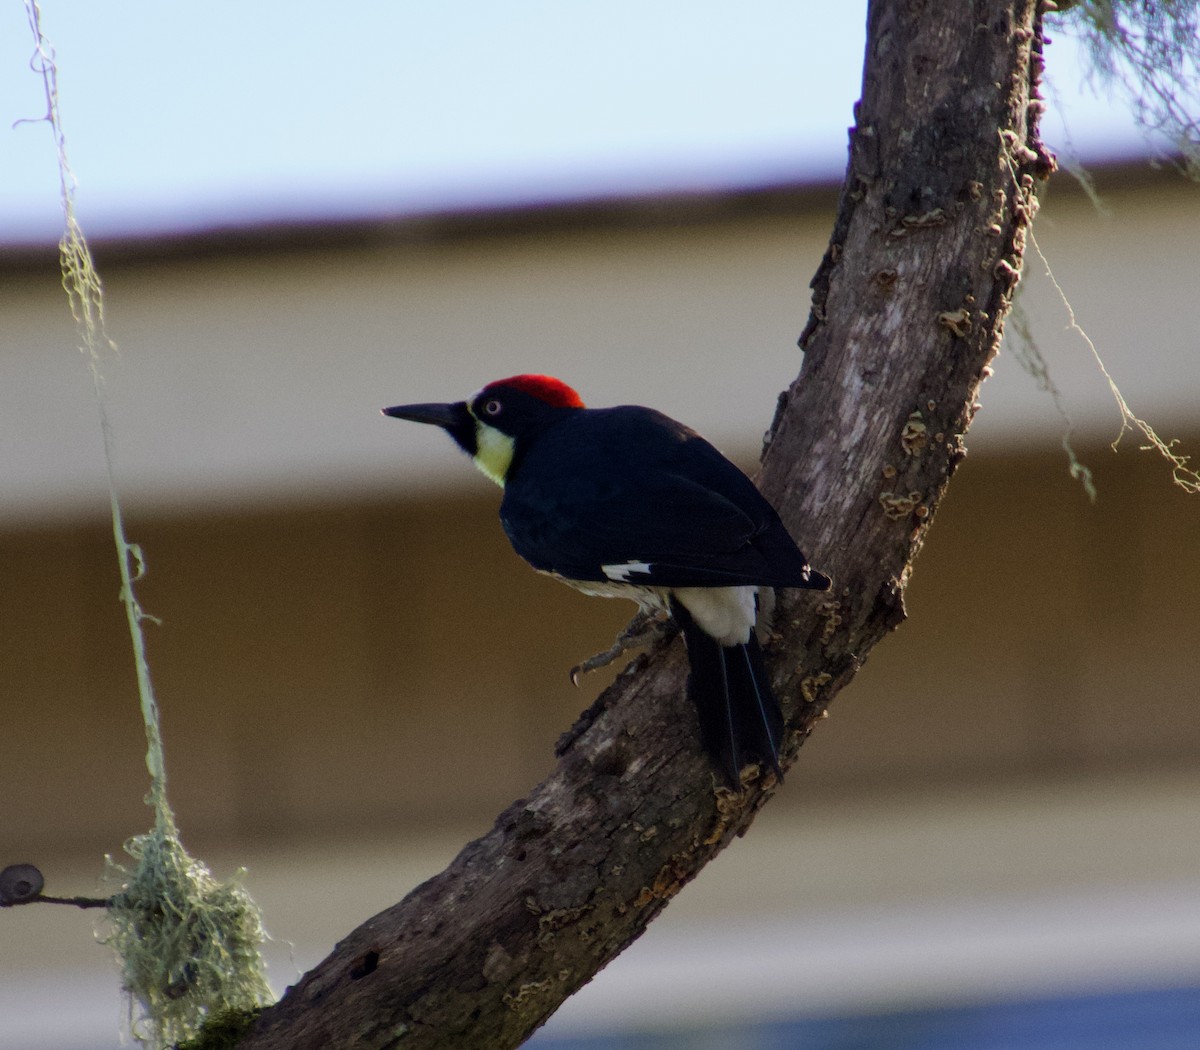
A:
[(627, 494)]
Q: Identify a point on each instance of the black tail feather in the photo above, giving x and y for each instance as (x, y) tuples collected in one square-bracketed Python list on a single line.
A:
[(740, 719), (769, 722)]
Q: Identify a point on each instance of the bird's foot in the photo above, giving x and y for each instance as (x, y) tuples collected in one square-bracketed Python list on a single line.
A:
[(643, 630)]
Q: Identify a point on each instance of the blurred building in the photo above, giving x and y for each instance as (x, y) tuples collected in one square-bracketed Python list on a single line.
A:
[(998, 820)]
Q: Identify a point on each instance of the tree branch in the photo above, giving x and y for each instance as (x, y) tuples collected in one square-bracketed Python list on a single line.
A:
[(908, 308), (22, 884)]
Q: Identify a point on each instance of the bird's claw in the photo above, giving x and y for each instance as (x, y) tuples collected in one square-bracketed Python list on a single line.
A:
[(644, 629)]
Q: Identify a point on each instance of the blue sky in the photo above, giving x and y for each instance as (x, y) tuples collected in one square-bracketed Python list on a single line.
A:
[(189, 114)]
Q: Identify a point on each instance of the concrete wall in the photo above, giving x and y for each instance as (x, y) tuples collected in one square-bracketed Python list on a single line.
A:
[(342, 669), (252, 364)]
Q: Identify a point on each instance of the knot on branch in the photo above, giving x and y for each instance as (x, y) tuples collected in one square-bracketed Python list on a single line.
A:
[(20, 884)]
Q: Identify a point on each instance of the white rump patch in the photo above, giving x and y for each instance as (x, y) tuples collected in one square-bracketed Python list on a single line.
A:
[(622, 572), (725, 613)]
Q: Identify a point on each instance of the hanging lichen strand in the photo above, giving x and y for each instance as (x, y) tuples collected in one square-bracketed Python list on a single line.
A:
[(189, 945)]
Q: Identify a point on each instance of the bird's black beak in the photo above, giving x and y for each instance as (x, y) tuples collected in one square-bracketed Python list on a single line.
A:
[(445, 416), (452, 418)]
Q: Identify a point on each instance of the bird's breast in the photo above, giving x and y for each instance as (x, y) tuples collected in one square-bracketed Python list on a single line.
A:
[(651, 599)]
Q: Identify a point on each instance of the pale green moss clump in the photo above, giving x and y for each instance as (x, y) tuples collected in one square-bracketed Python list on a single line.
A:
[(189, 944)]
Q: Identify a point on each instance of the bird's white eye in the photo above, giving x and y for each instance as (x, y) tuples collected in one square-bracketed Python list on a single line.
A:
[(492, 408)]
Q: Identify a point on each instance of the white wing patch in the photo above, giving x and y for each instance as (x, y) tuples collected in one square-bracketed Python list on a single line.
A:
[(621, 573)]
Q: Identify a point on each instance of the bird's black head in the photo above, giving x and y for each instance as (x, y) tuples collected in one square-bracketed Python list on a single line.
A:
[(522, 404), (490, 425)]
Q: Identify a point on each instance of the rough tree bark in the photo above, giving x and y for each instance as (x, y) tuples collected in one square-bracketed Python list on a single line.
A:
[(907, 310)]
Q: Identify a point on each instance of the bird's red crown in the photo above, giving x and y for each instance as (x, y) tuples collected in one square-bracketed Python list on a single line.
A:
[(545, 388)]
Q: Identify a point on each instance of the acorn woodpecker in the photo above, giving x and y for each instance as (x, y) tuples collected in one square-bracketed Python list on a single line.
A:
[(626, 502)]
